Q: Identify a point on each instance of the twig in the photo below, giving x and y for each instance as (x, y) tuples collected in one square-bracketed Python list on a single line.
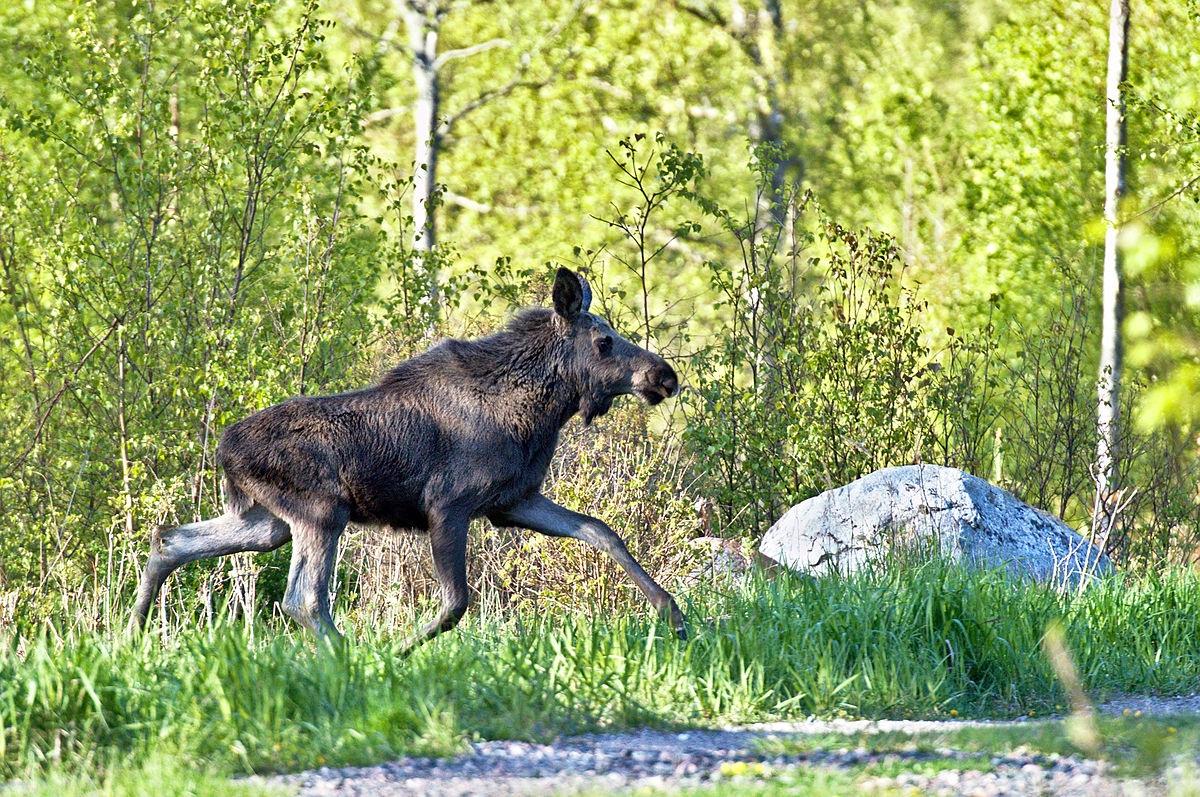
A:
[(1181, 189), (53, 400), (467, 52)]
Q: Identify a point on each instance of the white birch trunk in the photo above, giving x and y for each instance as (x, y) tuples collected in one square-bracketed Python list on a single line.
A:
[(1109, 382), (421, 19)]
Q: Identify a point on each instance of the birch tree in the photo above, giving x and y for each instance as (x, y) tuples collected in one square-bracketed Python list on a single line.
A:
[(432, 125), (759, 33), (1109, 381), (423, 21)]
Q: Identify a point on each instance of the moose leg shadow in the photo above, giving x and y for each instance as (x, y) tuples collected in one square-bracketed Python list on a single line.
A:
[(542, 515)]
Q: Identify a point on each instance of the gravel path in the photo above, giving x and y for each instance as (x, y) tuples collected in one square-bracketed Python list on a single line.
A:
[(619, 762)]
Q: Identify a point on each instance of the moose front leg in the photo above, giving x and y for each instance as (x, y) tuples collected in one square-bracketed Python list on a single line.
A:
[(538, 513)]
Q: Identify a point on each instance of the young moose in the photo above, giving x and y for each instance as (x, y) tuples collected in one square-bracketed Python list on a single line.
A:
[(465, 430)]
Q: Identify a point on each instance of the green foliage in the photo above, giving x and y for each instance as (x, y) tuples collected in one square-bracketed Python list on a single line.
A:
[(1159, 243), (159, 775), (655, 175), (821, 373), (207, 210), (191, 196)]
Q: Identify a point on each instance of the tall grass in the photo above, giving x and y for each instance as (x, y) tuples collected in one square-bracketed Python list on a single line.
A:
[(919, 641)]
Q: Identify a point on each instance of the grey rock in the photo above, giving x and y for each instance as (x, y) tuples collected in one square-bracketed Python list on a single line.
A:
[(922, 509)]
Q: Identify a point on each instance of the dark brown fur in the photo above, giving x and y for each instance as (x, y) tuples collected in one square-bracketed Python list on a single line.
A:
[(465, 430)]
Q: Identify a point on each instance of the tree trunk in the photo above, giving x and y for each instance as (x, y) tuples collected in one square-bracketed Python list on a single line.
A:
[(769, 117), (422, 22), (760, 34), (1109, 382)]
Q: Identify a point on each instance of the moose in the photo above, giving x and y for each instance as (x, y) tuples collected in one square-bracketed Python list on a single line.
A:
[(465, 430)]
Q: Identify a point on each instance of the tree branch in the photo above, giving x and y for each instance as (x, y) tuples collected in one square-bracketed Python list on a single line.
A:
[(461, 201), (467, 52), (484, 97), (735, 29), (1181, 189), (52, 402), (383, 115), (516, 82), (707, 14), (384, 41)]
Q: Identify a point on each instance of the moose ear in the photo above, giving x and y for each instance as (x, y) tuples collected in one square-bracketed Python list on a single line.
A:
[(586, 290), (571, 294)]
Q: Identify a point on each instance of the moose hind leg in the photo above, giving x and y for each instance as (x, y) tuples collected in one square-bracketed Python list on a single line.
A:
[(448, 543), (314, 551), (256, 529)]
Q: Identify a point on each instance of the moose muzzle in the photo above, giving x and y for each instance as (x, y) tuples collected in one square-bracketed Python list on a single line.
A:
[(657, 382)]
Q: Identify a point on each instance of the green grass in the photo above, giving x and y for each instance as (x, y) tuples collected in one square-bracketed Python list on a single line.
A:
[(159, 776), (921, 642)]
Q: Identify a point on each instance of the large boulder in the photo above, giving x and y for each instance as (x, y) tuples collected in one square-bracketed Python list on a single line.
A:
[(929, 508)]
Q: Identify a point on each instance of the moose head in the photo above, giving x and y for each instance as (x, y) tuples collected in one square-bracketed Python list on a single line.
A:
[(602, 364)]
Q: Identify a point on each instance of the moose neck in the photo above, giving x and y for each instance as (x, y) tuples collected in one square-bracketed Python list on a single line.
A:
[(526, 373), (541, 398)]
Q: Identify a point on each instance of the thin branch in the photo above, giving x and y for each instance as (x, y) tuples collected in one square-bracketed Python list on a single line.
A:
[(483, 98), (465, 202), (707, 14), (1181, 189), (517, 81), (383, 115), (52, 402), (383, 42), (735, 29), (466, 52)]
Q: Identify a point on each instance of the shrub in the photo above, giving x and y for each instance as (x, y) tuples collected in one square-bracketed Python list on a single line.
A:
[(820, 373)]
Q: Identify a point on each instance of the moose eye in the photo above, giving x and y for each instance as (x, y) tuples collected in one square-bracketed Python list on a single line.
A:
[(604, 344)]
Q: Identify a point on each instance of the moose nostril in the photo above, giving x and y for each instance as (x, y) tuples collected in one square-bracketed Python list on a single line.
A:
[(670, 381)]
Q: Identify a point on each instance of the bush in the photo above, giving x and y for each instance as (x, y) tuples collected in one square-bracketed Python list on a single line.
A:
[(821, 373)]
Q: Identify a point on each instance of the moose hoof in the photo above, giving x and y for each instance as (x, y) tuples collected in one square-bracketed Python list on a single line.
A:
[(678, 622)]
